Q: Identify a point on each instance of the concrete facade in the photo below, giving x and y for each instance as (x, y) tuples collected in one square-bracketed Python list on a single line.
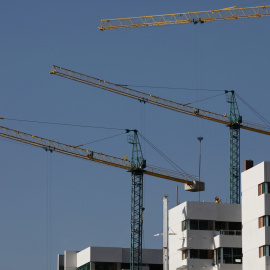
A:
[(107, 258), (255, 217), (203, 235)]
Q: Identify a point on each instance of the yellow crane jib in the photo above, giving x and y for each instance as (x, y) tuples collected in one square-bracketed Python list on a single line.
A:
[(51, 145), (161, 102), (230, 13)]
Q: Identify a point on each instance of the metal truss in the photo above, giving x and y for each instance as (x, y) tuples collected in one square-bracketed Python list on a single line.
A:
[(231, 13), (161, 102), (93, 156)]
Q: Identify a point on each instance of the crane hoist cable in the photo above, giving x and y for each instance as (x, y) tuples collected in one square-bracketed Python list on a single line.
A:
[(173, 164), (58, 124), (261, 117)]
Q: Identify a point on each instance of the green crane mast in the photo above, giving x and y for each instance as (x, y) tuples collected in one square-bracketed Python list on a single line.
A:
[(235, 123), (138, 164)]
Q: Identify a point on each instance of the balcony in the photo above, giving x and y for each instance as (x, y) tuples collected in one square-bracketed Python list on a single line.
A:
[(228, 238), (229, 232)]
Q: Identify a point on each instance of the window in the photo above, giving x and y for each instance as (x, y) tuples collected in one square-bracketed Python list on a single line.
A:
[(237, 256), (218, 256), (195, 224), (224, 227), (125, 265), (263, 188), (230, 256), (185, 225), (227, 255), (261, 222), (184, 254), (201, 254), (105, 266), (203, 225), (235, 226), (264, 221), (221, 225), (228, 228), (263, 251), (84, 267)]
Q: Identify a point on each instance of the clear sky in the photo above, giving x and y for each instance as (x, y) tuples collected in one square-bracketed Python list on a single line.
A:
[(90, 203)]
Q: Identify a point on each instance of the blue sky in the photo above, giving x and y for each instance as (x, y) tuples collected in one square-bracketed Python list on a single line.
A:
[(90, 203)]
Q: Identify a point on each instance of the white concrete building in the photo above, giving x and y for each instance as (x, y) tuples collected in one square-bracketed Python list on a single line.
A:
[(107, 258), (205, 235), (256, 217), (202, 235)]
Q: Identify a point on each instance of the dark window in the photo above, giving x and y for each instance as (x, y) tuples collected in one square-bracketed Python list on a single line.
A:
[(235, 226), (125, 266), (210, 224), (211, 254), (84, 267), (218, 256), (237, 256), (227, 255), (105, 266), (194, 254), (220, 225), (203, 225), (194, 224), (230, 256), (155, 267), (201, 254)]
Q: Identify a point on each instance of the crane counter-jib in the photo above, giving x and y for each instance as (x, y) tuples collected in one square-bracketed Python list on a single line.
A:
[(52, 145)]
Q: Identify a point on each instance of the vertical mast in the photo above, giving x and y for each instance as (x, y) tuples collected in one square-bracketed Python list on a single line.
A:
[(235, 120), (137, 164), (165, 233)]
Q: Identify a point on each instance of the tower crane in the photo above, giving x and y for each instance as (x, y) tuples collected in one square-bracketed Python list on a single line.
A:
[(231, 13), (233, 121), (137, 166)]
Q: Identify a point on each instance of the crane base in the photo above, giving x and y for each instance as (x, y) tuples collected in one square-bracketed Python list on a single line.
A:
[(195, 187)]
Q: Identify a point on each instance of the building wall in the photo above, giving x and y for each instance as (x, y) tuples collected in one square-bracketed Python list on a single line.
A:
[(60, 262), (201, 239), (71, 260), (253, 207), (106, 254), (83, 257)]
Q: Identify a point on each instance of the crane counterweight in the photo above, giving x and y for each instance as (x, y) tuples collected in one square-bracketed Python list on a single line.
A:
[(196, 186)]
